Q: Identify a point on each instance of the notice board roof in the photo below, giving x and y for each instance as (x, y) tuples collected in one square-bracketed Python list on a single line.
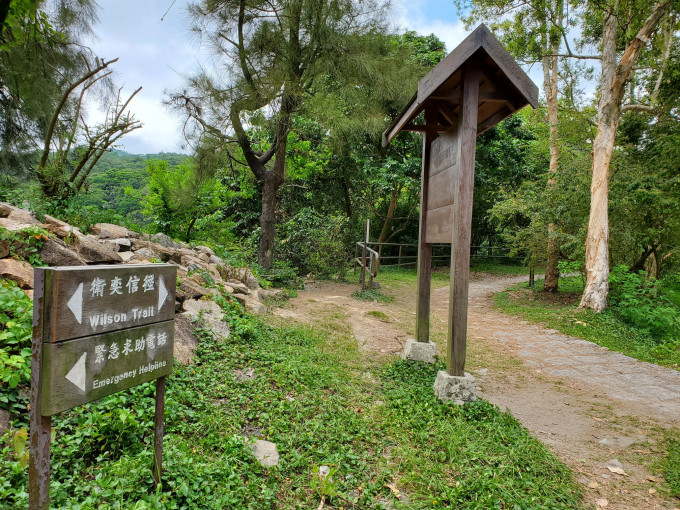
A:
[(504, 86)]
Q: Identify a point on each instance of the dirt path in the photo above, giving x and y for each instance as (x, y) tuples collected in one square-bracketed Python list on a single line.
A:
[(588, 404)]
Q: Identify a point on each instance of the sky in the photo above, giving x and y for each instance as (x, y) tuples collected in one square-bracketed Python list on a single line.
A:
[(155, 50)]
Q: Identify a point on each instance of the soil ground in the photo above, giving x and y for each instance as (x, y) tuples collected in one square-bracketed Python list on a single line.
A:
[(589, 405)]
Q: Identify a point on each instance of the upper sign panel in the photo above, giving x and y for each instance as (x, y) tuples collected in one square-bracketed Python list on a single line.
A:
[(80, 301)]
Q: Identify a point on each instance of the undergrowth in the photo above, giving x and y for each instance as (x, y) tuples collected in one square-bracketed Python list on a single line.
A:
[(372, 295), (671, 466), (314, 396)]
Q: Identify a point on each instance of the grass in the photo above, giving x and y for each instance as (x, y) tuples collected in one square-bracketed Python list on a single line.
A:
[(378, 315), (559, 311), (671, 466), (372, 295), (322, 404)]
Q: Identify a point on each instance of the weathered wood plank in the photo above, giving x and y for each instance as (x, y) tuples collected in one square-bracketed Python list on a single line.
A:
[(425, 249), (440, 225), (444, 152), (80, 301), (441, 189), (462, 223), (84, 369)]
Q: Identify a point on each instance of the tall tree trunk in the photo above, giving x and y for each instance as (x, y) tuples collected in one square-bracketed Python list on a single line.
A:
[(552, 274), (612, 82)]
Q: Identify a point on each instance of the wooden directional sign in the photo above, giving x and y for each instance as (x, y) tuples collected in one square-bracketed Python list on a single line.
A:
[(105, 329), (96, 330), (84, 369), (86, 301)]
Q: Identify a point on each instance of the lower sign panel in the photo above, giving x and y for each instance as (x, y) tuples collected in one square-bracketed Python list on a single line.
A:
[(78, 371)]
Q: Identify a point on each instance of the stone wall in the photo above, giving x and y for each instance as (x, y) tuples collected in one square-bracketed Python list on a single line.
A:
[(113, 244)]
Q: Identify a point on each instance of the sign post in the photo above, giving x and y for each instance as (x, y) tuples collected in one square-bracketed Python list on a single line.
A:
[(475, 87), (96, 331)]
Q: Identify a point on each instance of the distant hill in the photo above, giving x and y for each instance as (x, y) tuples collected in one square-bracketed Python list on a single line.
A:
[(118, 159)]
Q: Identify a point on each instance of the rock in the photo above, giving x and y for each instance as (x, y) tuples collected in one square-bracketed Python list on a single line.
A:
[(204, 249), (615, 466), (4, 248), (324, 471), (192, 290), (18, 271), (4, 210), (164, 240), (250, 304), (110, 231), (126, 255), (215, 260), (252, 282), (29, 293), (185, 340), (245, 375), (375, 285), (419, 351), (95, 253), (145, 253), (54, 252), (4, 415), (459, 390), (123, 243), (238, 287), (203, 257), (266, 453), (211, 315), (255, 307), (263, 294), (18, 216)]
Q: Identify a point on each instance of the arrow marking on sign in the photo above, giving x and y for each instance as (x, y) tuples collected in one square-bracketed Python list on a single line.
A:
[(162, 293), (75, 304), (77, 373)]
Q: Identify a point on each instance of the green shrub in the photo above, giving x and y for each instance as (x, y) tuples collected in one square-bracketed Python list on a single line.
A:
[(314, 243), (15, 345), (636, 299), (671, 467)]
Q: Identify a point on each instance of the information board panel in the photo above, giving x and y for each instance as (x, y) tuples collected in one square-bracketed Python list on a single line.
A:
[(78, 371), (85, 301)]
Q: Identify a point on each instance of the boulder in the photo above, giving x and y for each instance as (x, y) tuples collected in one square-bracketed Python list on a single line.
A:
[(20, 215), (126, 255), (250, 304), (4, 248), (193, 290), (123, 243), (185, 340), (29, 293), (164, 240), (204, 257), (263, 294), (209, 313), (17, 270), (238, 287), (54, 252), (4, 210), (145, 253), (110, 231), (95, 253), (204, 249), (59, 228), (215, 260), (252, 282)]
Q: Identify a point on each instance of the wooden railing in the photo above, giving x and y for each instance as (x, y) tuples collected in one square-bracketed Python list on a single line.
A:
[(441, 253)]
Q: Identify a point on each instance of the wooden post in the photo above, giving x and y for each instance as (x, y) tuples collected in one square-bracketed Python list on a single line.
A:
[(462, 221), (424, 248), (40, 426), (158, 422), (363, 257), (399, 259), (356, 256), (531, 276)]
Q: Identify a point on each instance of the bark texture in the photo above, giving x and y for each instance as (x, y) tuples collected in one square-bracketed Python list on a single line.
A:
[(612, 83)]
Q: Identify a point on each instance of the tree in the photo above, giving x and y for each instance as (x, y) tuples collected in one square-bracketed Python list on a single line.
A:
[(71, 148), (614, 25), (534, 33), (276, 60)]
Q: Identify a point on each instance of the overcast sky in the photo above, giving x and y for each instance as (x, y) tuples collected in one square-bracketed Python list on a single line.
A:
[(154, 54)]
